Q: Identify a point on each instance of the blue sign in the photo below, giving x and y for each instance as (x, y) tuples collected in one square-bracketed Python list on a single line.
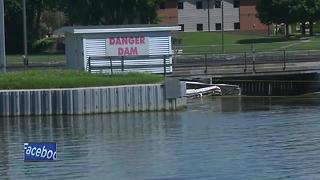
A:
[(40, 151)]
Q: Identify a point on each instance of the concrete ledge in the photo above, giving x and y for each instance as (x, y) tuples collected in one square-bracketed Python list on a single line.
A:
[(95, 100)]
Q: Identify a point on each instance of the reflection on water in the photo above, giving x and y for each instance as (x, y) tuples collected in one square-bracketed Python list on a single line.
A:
[(215, 138)]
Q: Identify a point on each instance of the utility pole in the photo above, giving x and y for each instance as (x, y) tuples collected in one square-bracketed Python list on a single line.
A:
[(208, 1), (222, 25), (2, 38), (25, 40)]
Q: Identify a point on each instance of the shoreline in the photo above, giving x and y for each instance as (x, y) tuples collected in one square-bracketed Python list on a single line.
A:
[(89, 100)]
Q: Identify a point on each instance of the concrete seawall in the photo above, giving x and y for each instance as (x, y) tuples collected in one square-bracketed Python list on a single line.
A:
[(77, 101)]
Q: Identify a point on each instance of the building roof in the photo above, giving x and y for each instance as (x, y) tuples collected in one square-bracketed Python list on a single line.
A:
[(116, 28)]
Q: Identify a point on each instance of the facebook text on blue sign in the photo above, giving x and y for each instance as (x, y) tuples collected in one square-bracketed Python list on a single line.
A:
[(40, 151)]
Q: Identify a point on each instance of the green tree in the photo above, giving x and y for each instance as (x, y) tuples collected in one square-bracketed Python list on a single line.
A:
[(307, 11), (276, 11), (105, 12), (13, 22), (289, 11), (265, 11)]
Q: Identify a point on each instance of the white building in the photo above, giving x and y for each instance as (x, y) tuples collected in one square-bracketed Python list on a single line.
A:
[(120, 48)]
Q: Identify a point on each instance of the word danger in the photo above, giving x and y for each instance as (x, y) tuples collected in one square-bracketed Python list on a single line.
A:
[(40, 152), (127, 46)]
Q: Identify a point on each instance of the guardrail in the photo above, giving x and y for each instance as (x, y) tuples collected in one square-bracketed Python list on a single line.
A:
[(125, 63), (245, 59)]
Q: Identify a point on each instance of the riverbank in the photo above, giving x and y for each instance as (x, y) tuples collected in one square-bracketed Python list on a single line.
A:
[(64, 92), (50, 79), (92, 100)]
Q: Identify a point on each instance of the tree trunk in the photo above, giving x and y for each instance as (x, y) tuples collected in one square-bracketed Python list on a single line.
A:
[(303, 28), (37, 27), (311, 28), (287, 30)]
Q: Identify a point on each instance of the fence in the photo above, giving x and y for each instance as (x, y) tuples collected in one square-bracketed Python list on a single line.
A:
[(161, 64), (245, 59)]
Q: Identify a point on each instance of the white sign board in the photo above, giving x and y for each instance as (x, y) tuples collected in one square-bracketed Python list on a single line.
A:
[(127, 46)]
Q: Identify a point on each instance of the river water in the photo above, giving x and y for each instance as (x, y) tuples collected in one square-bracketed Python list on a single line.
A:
[(214, 138)]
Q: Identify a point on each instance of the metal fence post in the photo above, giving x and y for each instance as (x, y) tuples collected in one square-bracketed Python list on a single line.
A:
[(164, 65), (284, 60), (206, 63), (89, 64), (253, 59), (245, 62), (122, 63), (111, 68)]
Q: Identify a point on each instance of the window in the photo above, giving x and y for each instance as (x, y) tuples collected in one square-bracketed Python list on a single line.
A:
[(217, 3), (218, 26), (182, 27), (236, 4), (180, 5), (162, 5), (199, 4), (199, 27), (236, 25)]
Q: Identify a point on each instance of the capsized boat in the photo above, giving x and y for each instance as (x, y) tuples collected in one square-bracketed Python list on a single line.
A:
[(196, 89)]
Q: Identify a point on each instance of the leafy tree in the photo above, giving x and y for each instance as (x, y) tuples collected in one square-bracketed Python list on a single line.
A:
[(307, 11), (283, 13), (265, 11), (289, 11), (13, 20), (275, 11), (104, 12), (79, 12)]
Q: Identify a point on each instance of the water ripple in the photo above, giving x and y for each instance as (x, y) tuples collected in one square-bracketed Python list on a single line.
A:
[(216, 138)]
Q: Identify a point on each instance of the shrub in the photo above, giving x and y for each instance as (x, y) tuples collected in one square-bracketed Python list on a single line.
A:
[(43, 44)]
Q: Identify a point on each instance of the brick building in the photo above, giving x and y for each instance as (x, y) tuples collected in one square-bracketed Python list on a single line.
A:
[(248, 16), (205, 15), (168, 13)]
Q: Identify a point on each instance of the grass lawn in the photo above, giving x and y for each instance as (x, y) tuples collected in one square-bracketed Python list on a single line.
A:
[(210, 42), (42, 58), (70, 79)]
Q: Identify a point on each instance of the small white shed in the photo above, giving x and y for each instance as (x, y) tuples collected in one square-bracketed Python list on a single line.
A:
[(135, 47)]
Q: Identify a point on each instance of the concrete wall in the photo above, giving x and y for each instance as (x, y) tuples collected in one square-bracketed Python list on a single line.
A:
[(87, 100)]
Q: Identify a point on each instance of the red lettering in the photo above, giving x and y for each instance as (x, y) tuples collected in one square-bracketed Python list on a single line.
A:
[(136, 39), (118, 41), (124, 41), (142, 40), (133, 51), (126, 51), (127, 40), (111, 41), (131, 40), (120, 52)]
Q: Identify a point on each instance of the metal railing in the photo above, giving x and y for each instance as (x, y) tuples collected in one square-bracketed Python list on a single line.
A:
[(121, 63), (244, 59)]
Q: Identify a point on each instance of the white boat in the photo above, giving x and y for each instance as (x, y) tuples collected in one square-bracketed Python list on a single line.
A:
[(196, 89)]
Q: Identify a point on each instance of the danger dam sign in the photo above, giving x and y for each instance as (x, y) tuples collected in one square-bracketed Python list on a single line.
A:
[(128, 46)]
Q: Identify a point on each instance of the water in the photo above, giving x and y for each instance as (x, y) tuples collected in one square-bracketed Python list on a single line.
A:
[(215, 138)]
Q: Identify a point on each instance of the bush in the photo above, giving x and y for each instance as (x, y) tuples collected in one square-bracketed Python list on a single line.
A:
[(43, 44)]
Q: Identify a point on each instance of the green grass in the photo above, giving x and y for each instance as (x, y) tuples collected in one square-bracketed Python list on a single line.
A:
[(41, 58), (71, 79), (210, 42)]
